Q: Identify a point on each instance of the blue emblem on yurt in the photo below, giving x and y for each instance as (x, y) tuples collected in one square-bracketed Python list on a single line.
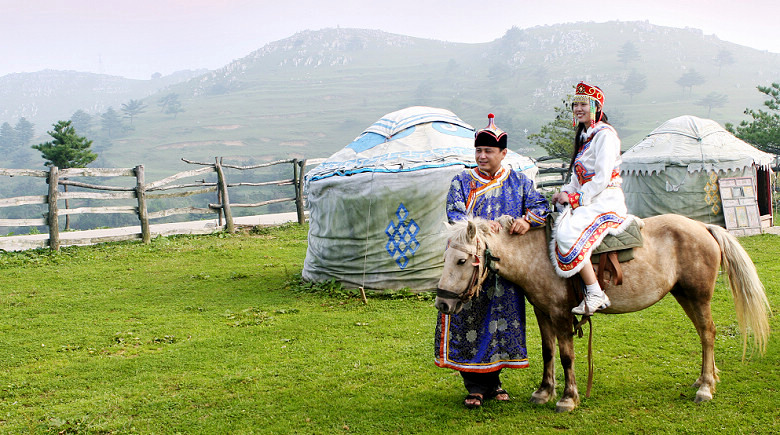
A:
[(414, 152), (402, 237)]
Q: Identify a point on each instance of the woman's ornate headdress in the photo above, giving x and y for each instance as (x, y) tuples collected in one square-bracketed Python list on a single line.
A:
[(586, 93)]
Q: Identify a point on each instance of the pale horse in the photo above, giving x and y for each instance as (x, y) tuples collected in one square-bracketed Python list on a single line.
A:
[(679, 256)]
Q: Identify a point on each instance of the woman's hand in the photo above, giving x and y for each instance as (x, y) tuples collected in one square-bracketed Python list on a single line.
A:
[(560, 198)]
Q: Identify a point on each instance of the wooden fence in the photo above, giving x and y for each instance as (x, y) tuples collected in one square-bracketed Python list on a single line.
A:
[(552, 173), (142, 192)]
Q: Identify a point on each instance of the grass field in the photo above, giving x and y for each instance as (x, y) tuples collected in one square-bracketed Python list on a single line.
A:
[(217, 334)]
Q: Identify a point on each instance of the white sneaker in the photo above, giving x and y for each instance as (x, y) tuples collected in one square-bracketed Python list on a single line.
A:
[(591, 304)]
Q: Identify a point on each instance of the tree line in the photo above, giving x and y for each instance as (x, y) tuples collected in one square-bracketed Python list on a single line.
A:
[(101, 129), (72, 140)]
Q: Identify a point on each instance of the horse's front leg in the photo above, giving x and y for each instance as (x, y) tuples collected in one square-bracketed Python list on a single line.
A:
[(571, 396), (546, 390)]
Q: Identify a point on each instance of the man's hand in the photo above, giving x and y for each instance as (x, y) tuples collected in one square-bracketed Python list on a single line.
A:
[(520, 226)]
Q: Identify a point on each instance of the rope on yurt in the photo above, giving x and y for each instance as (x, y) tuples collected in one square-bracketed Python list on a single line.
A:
[(368, 227)]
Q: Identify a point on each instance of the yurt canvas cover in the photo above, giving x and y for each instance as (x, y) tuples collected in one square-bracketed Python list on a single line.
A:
[(377, 207), (676, 168)]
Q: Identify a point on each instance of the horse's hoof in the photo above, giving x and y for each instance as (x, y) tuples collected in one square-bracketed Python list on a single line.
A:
[(565, 405), (540, 397), (702, 396)]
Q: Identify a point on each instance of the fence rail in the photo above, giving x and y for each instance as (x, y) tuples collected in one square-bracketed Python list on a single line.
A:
[(551, 174), (142, 192)]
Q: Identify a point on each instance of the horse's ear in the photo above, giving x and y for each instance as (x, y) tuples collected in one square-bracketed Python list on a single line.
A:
[(471, 230)]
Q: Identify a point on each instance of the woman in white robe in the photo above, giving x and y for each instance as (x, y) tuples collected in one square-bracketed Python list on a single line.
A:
[(596, 205)]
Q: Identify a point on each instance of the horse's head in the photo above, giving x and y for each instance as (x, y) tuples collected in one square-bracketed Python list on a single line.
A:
[(465, 268)]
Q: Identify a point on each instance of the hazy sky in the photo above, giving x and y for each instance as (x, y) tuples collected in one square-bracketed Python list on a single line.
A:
[(136, 38)]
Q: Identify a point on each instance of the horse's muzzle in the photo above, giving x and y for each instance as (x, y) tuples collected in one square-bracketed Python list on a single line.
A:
[(448, 302)]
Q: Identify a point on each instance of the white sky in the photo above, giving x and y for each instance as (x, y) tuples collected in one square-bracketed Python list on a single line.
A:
[(136, 38)]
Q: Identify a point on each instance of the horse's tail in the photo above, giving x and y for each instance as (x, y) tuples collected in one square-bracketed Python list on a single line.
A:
[(750, 300)]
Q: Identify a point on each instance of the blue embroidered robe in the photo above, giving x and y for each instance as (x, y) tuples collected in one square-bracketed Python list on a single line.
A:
[(489, 333)]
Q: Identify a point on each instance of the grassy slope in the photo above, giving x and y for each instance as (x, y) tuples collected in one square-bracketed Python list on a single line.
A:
[(215, 334), (277, 110)]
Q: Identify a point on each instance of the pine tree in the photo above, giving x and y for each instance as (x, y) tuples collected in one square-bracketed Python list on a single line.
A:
[(133, 108), (111, 123), (689, 80), (24, 132), (7, 138), (82, 122), (635, 84), (67, 150), (763, 131), (557, 136), (713, 100), (170, 104), (628, 53), (723, 58)]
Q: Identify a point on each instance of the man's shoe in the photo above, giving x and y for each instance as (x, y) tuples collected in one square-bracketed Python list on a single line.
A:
[(591, 304)]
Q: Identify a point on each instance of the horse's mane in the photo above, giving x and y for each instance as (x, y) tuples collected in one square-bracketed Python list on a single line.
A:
[(456, 232)]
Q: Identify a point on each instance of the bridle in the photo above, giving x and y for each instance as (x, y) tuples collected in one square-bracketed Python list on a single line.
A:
[(484, 263)]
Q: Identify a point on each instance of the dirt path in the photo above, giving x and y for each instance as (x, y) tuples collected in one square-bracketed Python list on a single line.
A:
[(90, 237)]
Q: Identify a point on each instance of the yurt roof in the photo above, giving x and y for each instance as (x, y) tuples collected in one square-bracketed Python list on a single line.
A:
[(410, 139), (695, 143)]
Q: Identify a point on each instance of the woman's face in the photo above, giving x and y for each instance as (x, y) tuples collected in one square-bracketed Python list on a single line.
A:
[(581, 112)]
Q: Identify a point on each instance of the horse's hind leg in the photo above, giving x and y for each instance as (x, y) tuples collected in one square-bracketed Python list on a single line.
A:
[(546, 390), (701, 315)]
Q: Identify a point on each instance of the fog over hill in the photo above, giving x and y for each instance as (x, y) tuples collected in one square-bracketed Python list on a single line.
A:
[(310, 94), (45, 97)]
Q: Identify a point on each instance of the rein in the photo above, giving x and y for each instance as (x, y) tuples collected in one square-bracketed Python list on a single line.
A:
[(578, 332)]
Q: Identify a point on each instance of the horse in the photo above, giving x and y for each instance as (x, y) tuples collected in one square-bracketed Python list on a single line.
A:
[(679, 256)]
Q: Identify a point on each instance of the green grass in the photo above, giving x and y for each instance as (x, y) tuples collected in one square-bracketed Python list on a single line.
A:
[(217, 334)]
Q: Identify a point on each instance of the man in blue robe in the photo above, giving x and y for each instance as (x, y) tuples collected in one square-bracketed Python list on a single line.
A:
[(489, 333)]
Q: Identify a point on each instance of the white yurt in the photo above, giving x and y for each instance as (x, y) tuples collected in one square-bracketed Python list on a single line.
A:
[(377, 207), (677, 168)]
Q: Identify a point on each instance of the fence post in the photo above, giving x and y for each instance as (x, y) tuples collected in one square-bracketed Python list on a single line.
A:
[(299, 166), (225, 201), (219, 212), (53, 221), (140, 193)]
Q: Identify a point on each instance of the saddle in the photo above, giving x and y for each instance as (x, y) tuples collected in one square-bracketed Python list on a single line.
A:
[(613, 250)]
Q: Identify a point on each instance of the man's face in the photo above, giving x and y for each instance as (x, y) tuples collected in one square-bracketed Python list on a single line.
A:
[(489, 158)]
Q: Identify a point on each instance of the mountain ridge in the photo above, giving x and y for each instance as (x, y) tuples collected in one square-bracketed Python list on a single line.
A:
[(310, 94)]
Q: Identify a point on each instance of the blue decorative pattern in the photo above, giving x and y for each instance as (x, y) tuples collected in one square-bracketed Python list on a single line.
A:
[(513, 195), (591, 234), (402, 237), (489, 333)]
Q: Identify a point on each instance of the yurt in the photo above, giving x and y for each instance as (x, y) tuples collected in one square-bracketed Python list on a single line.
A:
[(377, 207), (678, 167)]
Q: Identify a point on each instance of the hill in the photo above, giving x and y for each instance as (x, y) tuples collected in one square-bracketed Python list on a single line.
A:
[(47, 96), (311, 94)]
